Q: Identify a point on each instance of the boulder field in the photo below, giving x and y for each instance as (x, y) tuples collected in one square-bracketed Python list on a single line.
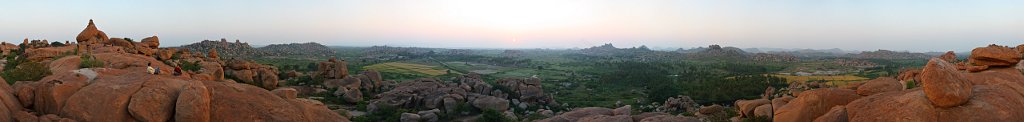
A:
[(121, 90), (947, 92)]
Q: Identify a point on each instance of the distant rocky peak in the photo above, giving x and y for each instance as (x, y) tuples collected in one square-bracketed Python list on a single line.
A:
[(715, 47)]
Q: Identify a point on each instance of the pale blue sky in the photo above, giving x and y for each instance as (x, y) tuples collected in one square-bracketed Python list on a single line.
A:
[(917, 25)]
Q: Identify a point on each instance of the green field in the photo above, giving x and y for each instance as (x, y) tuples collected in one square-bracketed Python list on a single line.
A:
[(407, 68)]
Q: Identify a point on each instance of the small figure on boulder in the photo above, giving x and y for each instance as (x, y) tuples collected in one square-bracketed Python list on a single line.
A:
[(149, 68)]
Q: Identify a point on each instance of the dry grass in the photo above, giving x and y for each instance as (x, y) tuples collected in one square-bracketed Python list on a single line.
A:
[(837, 80)]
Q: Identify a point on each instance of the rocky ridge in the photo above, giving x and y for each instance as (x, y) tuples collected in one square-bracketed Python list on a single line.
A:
[(121, 90), (985, 88)]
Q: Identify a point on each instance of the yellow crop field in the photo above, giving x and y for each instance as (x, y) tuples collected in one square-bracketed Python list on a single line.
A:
[(408, 68), (837, 80)]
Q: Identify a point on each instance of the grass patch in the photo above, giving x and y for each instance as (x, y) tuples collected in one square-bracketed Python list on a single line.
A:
[(28, 71), (89, 62), (407, 68)]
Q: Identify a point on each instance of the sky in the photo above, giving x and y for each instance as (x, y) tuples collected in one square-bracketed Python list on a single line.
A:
[(914, 25)]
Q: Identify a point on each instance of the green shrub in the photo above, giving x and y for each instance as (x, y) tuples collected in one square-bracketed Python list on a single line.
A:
[(494, 116), (383, 114), (89, 62), (64, 54), (190, 66), (757, 119), (27, 71), (57, 44), (13, 61), (911, 84), (361, 105)]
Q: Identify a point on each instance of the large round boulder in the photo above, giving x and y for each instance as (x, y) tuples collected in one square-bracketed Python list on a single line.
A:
[(943, 85)]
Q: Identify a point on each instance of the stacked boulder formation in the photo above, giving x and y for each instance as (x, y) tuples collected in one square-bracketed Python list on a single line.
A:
[(679, 104), (350, 88), (987, 87), (253, 73), (121, 90), (332, 69), (91, 35), (526, 92)]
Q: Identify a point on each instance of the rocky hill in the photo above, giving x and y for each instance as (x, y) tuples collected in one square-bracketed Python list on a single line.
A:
[(765, 57), (715, 52), (293, 49), (611, 50), (986, 87), (106, 79), (226, 49)]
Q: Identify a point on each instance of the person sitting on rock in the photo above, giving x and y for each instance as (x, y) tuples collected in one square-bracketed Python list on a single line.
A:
[(149, 68), (157, 71), (177, 70)]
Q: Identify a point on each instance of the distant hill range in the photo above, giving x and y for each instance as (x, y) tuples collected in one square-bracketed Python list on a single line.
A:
[(757, 54), (611, 50), (242, 49), (887, 54), (714, 51)]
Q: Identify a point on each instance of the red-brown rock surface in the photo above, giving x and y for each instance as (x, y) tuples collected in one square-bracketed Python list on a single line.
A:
[(332, 69), (943, 85), (91, 35), (879, 85), (121, 90), (46, 54), (909, 75), (996, 94), (579, 113), (250, 72), (746, 107), (836, 114), (949, 57), (994, 55), (814, 103)]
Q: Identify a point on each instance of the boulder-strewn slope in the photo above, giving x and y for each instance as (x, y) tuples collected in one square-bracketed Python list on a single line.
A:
[(224, 48), (298, 49), (987, 88), (121, 90)]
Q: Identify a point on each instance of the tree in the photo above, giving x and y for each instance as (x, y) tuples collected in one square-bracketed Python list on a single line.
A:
[(57, 44)]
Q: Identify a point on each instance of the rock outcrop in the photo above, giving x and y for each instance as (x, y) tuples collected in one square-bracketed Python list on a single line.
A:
[(121, 90), (225, 49), (746, 107), (943, 85), (122, 95), (678, 104), (879, 85), (91, 35), (528, 91), (994, 55), (949, 57), (332, 69), (298, 49), (814, 103), (948, 93), (264, 76)]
